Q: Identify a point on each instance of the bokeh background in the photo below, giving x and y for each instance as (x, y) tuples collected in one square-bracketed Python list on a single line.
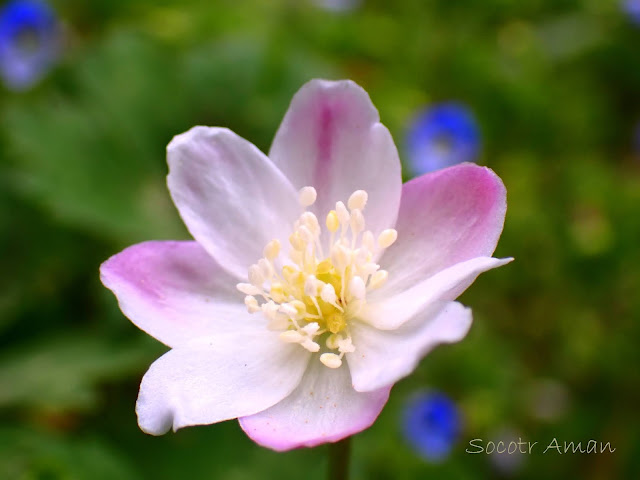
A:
[(554, 86)]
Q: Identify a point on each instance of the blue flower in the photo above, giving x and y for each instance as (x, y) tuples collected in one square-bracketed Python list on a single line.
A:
[(441, 136), (432, 425), (632, 8), (29, 42)]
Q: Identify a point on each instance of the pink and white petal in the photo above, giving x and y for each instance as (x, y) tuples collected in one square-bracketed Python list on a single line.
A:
[(426, 296), (176, 292), (331, 139), (232, 198), (218, 379), (324, 408), (383, 357), (445, 217)]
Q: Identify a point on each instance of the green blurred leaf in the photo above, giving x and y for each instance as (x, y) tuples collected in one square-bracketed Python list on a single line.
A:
[(33, 455), (94, 155), (64, 373)]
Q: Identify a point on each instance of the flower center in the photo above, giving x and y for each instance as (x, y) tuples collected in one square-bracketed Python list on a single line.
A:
[(311, 297)]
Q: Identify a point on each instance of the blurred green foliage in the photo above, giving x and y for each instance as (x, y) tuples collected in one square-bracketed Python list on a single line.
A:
[(555, 85)]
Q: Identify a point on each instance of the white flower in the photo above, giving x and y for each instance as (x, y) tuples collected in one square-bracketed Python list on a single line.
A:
[(316, 281)]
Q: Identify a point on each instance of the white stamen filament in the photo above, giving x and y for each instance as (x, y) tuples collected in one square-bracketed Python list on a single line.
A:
[(357, 288)]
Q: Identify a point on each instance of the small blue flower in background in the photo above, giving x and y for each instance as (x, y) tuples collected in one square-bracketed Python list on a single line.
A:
[(443, 135), (29, 42), (632, 8), (432, 425)]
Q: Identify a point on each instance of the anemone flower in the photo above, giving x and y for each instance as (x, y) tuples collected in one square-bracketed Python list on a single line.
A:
[(297, 326)]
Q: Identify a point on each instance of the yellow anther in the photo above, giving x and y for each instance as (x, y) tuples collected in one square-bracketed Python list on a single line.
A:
[(296, 241), (310, 221), (378, 279), (387, 237), (289, 273), (331, 360), (252, 304), (307, 196), (332, 221), (310, 345), (277, 293), (340, 257), (272, 249), (332, 278), (358, 199), (343, 213), (300, 307), (298, 281), (291, 336), (323, 267), (248, 289), (255, 276)]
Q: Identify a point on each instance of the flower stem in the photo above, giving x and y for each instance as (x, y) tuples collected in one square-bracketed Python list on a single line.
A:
[(339, 453)]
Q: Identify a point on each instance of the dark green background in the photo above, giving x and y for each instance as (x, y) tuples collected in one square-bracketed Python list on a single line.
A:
[(555, 85)]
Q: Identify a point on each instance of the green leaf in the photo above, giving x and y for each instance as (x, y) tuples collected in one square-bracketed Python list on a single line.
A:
[(61, 374), (30, 454)]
